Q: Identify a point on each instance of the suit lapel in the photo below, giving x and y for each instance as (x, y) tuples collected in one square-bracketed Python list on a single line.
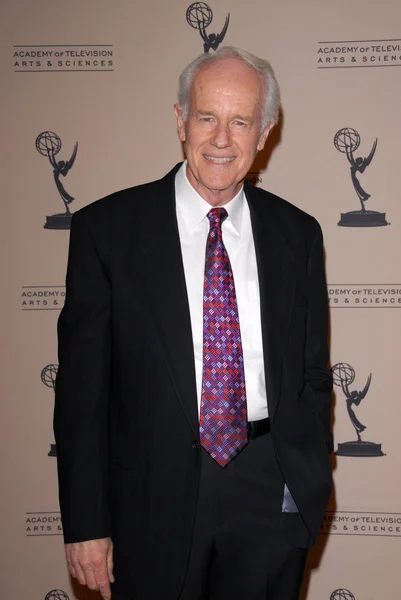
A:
[(163, 276), (277, 285)]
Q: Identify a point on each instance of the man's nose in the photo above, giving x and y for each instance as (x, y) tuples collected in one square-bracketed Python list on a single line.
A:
[(222, 136)]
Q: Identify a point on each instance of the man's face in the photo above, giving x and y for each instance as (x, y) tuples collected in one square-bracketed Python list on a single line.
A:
[(222, 132)]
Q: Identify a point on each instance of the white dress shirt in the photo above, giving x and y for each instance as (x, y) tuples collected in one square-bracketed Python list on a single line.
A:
[(193, 226)]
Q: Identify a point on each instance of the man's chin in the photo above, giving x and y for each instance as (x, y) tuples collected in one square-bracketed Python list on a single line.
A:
[(218, 183)]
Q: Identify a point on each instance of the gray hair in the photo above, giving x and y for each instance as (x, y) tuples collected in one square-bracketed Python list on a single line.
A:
[(271, 105)]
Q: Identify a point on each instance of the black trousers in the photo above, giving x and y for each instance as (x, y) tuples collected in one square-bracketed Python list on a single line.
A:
[(238, 549)]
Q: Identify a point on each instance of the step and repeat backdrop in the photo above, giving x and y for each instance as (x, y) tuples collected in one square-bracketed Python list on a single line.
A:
[(86, 109)]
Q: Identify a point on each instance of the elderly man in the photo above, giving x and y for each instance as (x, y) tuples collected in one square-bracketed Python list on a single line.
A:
[(193, 395)]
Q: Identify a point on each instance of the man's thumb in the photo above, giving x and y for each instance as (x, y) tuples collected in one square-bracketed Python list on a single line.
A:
[(110, 567)]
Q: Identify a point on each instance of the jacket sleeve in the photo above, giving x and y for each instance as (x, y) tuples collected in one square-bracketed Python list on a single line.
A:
[(82, 390), (318, 378)]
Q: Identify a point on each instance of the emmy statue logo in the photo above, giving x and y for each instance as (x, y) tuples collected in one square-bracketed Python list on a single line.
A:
[(48, 377), (347, 141), (199, 16), (49, 144), (342, 594), (56, 595), (344, 376)]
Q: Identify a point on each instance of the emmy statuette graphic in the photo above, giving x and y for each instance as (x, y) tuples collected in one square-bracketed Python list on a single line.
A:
[(49, 144), (344, 376), (56, 595), (342, 594), (199, 16), (48, 377), (347, 141)]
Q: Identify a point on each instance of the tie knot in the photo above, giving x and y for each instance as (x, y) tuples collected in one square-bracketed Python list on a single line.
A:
[(216, 216)]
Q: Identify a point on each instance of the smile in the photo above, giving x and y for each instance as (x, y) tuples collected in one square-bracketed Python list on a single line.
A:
[(219, 161)]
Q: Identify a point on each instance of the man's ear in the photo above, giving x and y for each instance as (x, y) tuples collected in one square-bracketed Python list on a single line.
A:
[(178, 109), (263, 136)]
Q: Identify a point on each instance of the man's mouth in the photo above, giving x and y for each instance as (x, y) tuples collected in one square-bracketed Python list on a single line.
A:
[(219, 160)]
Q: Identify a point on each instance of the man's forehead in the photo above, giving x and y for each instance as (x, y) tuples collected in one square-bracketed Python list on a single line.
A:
[(228, 84), (230, 77)]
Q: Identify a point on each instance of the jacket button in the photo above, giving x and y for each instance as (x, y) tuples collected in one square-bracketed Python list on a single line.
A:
[(195, 445)]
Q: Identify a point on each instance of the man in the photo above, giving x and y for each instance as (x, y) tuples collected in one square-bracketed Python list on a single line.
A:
[(193, 395)]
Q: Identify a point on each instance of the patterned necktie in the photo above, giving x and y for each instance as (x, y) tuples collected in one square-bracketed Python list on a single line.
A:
[(223, 415)]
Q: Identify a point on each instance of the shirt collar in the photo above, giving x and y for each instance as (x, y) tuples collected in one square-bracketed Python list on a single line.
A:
[(194, 208)]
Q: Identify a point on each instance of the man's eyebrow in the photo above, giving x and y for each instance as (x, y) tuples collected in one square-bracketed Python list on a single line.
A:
[(200, 111)]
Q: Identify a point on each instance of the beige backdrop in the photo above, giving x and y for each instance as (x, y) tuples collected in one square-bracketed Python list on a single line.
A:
[(337, 64)]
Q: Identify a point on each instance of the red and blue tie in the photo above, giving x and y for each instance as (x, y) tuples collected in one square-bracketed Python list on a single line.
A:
[(223, 413)]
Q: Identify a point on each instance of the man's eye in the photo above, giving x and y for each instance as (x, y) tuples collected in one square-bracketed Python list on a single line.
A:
[(241, 123), (206, 119)]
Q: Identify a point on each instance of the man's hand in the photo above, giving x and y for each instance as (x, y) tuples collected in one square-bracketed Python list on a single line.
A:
[(91, 563)]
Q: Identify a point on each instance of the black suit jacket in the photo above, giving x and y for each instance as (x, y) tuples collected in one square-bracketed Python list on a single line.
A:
[(126, 421)]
